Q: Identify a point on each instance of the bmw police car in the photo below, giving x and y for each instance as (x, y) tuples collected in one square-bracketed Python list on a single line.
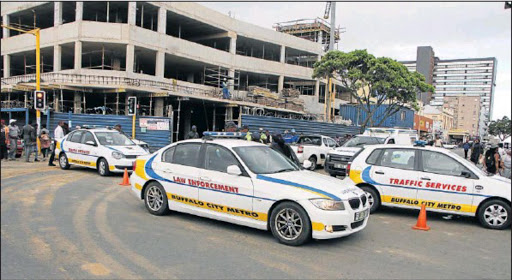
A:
[(250, 184), (106, 150), (409, 176)]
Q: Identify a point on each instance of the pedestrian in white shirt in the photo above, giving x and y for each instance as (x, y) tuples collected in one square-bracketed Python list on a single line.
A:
[(507, 164), (57, 135)]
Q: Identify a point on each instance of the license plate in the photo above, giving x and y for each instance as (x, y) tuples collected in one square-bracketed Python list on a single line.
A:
[(339, 165), (359, 216)]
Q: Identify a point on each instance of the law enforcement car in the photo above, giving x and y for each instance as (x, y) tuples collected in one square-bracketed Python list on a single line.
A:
[(106, 150), (249, 184), (409, 176)]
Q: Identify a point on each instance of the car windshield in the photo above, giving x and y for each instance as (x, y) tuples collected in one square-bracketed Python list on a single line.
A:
[(362, 140), (113, 139), (264, 160), (310, 140)]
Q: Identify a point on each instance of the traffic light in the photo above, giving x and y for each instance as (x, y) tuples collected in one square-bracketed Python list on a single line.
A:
[(39, 100), (132, 105)]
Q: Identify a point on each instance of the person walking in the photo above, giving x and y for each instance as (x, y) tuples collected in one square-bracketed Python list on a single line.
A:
[(466, 147), (30, 140), (193, 133), (14, 134), (476, 151), (45, 140), (248, 134), (507, 165), (58, 134), (438, 143), (263, 136), (270, 140), (4, 135), (492, 160)]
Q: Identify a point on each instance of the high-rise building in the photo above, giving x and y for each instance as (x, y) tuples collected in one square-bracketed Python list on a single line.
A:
[(473, 77), (466, 112)]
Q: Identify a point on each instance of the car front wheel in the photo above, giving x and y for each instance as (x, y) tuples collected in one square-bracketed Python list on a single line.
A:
[(63, 161), (290, 224), (495, 214), (373, 198), (103, 169), (155, 199)]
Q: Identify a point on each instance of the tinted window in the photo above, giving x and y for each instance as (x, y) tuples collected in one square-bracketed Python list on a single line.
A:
[(77, 135), (398, 158), (441, 164), (310, 140), (187, 154), (360, 141), (374, 156), (114, 138), (264, 160), (88, 137), (218, 158), (167, 155)]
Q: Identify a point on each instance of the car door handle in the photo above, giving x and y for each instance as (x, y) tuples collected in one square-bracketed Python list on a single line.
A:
[(205, 178), (379, 172), (425, 178)]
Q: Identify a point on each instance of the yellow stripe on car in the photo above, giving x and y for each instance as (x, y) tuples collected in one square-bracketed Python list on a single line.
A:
[(139, 170), (355, 175), (437, 205)]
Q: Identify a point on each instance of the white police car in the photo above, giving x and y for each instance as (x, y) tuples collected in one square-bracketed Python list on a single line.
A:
[(106, 150), (249, 184), (409, 176)]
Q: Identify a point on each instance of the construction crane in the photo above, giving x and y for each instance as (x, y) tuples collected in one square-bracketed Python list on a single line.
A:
[(327, 10)]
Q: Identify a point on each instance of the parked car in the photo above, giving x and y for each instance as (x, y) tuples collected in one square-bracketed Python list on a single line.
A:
[(449, 146), (313, 148)]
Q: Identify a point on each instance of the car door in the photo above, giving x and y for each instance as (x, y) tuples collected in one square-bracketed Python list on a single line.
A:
[(396, 174), (177, 170), (73, 147), (445, 184), (89, 152), (225, 192)]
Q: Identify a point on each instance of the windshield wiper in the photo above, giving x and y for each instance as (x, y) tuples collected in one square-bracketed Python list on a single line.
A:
[(285, 170)]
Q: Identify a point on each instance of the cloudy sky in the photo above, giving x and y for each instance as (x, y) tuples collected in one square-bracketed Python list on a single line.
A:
[(454, 30)]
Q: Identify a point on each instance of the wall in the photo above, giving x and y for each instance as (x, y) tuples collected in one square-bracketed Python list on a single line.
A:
[(357, 116), (423, 123)]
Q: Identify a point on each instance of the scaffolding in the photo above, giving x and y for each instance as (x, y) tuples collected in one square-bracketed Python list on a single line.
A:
[(315, 30), (214, 76)]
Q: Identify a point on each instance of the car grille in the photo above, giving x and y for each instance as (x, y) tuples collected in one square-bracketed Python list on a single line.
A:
[(131, 156), (339, 158), (363, 200), (356, 224), (354, 203)]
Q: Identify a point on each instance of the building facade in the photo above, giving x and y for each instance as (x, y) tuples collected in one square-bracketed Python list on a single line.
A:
[(466, 112), (442, 120), (473, 77)]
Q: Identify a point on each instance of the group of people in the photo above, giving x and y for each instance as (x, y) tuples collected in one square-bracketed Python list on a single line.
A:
[(10, 135), (494, 160)]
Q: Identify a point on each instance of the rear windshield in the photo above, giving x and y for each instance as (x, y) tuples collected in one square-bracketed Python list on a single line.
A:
[(310, 140), (361, 141)]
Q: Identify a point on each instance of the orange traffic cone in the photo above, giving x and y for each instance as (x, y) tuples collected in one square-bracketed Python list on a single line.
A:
[(126, 180), (422, 219)]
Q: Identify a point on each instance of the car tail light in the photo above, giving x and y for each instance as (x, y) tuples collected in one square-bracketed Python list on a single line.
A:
[(300, 150), (348, 168), (134, 165)]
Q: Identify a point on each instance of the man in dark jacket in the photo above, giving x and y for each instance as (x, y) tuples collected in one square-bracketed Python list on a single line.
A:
[(285, 149), (29, 133), (193, 133), (476, 151)]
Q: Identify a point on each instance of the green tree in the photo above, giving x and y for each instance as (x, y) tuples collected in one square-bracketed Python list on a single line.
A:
[(373, 81), (500, 128)]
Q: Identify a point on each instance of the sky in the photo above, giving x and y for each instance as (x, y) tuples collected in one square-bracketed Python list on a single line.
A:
[(453, 29)]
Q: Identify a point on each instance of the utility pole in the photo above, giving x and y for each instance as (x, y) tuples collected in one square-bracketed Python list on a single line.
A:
[(333, 26)]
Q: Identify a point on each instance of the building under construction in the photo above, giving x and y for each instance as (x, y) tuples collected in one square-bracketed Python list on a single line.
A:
[(316, 30), (174, 56)]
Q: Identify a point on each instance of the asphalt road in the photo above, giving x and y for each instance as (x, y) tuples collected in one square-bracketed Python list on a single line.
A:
[(75, 224)]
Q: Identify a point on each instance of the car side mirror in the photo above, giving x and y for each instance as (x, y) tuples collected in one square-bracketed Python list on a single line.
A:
[(465, 174), (234, 170), (90, 143), (307, 164)]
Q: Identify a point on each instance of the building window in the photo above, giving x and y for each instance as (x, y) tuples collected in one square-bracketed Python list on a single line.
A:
[(402, 115)]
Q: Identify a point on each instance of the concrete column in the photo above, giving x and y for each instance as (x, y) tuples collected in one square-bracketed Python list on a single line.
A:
[(232, 45), (6, 21), (130, 58), (160, 64), (79, 11), (317, 89), (159, 107), (280, 84), (57, 14), (190, 77), (57, 58), (132, 13), (162, 20), (283, 54), (231, 75), (77, 102), (78, 54), (7, 66)]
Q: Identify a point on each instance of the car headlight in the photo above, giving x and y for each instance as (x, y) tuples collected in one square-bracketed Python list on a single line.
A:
[(328, 204), (117, 155)]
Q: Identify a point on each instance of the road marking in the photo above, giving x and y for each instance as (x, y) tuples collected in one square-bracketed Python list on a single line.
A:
[(96, 269)]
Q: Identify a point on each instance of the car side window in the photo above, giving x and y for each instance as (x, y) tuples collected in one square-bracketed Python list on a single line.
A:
[(218, 158), (398, 158), (168, 154), (391, 141), (439, 163), (87, 136), (76, 137), (187, 154), (374, 156)]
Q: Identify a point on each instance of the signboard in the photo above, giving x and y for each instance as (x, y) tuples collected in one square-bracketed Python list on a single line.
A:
[(154, 124)]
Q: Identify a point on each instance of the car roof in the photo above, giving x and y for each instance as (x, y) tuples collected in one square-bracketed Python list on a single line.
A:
[(391, 146), (230, 143), (97, 129)]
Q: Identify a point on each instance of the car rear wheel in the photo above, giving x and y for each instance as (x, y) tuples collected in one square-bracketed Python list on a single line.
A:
[(63, 161), (373, 198), (103, 169), (290, 224), (155, 199), (313, 163), (495, 214)]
